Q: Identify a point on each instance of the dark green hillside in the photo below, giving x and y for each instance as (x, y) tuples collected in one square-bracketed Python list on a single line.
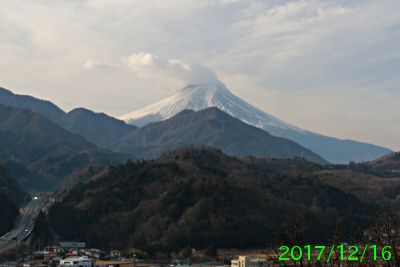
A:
[(28, 136), (10, 188), (8, 213), (51, 172), (27, 179), (42, 155), (11, 195), (199, 196), (57, 169), (98, 128)]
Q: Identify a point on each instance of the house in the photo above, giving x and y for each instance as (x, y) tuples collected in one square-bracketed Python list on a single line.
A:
[(115, 254), (54, 262), (76, 262), (95, 254), (245, 261)]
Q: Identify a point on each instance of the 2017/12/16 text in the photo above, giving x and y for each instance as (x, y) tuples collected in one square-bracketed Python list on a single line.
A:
[(296, 252)]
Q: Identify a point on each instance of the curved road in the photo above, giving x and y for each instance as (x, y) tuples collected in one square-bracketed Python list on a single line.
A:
[(24, 228)]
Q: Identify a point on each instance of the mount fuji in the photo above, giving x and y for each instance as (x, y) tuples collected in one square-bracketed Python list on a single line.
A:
[(198, 97)]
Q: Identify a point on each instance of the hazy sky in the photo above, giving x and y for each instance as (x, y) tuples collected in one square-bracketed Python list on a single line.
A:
[(331, 67)]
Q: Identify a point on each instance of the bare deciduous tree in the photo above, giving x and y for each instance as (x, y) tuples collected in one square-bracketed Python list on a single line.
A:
[(295, 233)]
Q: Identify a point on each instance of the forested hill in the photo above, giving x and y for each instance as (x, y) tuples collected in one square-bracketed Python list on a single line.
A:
[(8, 213), (10, 188), (211, 127), (10, 192), (40, 106), (42, 155), (198, 196)]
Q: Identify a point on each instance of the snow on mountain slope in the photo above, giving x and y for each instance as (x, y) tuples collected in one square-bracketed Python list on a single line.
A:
[(198, 97)]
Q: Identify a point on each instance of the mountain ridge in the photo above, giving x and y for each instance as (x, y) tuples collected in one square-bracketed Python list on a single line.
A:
[(40, 106), (198, 97), (211, 127), (40, 154), (98, 128)]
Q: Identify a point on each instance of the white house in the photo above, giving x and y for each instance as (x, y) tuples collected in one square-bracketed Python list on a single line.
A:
[(76, 262)]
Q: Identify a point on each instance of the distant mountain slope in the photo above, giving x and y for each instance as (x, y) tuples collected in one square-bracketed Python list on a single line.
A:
[(40, 154), (214, 128), (29, 136), (97, 128), (43, 107), (197, 97), (333, 149)]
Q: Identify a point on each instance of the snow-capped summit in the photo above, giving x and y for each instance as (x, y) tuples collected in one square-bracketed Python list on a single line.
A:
[(198, 97)]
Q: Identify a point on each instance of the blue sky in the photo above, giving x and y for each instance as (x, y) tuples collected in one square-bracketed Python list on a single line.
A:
[(331, 67)]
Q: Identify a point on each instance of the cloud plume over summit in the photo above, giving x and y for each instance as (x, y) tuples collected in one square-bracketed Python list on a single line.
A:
[(147, 65)]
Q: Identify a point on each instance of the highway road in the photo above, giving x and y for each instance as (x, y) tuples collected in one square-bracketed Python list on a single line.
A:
[(24, 227)]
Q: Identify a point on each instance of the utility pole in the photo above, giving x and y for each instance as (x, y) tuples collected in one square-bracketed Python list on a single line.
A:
[(134, 250)]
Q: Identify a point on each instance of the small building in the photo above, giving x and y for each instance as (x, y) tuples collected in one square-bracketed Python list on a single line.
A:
[(54, 262), (9, 264), (95, 254), (115, 254), (29, 264), (246, 261), (53, 254), (186, 262), (72, 244), (76, 262)]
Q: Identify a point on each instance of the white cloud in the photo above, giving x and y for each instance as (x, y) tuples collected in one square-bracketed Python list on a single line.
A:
[(151, 66)]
